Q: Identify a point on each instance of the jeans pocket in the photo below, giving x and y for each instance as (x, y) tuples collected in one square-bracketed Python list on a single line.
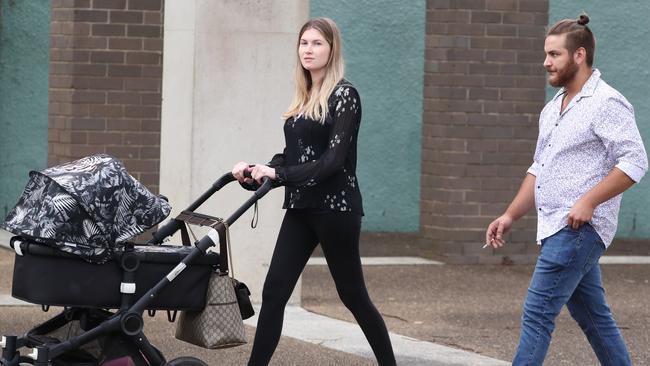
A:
[(595, 247), (561, 248)]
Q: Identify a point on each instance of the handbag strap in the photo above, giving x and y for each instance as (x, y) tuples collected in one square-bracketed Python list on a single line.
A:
[(224, 247)]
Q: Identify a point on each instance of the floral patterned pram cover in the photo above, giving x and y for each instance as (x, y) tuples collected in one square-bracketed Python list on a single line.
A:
[(86, 207)]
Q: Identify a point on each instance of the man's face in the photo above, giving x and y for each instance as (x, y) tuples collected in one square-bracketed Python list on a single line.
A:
[(559, 63)]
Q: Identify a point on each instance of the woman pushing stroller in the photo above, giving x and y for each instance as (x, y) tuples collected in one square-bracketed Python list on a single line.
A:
[(322, 197)]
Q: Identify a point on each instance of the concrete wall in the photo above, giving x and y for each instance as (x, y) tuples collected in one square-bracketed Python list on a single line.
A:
[(226, 81), (384, 52), (622, 56), (24, 40)]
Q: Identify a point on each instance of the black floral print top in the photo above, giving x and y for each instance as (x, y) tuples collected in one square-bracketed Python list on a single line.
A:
[(318, 165)]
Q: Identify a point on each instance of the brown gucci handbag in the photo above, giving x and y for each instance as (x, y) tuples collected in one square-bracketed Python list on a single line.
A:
[(219, 324)]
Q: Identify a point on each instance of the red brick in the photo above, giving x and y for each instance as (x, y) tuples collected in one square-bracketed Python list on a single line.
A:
[(87, 96), (124, 44), (145, 5), (124, 125), (501, 30), (153, 17), (131, 17), (540, 6), (143, 84), (124, 71), (150, 152), (89, 42), (83, 124), (97, 83), (121, 97), (152, 71), (69, 55), (109, 4), (107, 57), (149, 31), (104, 138), (152, 125), (151, 58), (154, 99), (144, 138), (466, 29), (152, 44), (141, 111), (115, 30), (467, 4), (501, 4), (62, 15), (103, 110), (486, 17), (94, 16), (79, 151)]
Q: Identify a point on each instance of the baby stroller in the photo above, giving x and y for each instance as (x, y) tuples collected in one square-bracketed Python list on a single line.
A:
[(72, 227)]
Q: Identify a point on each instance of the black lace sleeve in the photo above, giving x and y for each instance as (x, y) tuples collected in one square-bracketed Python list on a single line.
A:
[(346, 117)]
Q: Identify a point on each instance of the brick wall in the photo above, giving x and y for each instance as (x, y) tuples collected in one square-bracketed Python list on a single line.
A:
[(483, 91), (105, 82)]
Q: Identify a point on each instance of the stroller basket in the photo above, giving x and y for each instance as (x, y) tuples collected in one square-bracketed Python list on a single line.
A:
[(47, 276)]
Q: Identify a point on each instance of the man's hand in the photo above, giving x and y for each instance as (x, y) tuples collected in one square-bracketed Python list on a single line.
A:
[(497, 229), (581, 212)]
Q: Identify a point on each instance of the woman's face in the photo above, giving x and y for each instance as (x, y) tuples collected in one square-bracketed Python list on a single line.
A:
[(314, 51)]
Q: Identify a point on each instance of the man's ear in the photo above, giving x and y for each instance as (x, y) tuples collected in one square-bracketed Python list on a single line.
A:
[(580, 55)]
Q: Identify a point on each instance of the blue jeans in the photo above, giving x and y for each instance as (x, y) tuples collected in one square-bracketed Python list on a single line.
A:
[(567, 272)]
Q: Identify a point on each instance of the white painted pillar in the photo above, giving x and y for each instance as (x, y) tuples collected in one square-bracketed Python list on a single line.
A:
[(227, 78)]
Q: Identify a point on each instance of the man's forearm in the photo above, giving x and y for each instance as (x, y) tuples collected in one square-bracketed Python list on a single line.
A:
[(615, 183), (524, 200)]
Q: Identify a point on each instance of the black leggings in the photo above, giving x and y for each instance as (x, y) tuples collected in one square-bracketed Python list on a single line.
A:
[(338, 234)]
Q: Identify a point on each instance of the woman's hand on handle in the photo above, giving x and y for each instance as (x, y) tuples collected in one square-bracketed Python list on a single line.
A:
[(259, 171), (238, 172)]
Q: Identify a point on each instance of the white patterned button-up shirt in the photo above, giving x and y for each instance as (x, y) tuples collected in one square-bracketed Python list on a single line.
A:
[(577, 148)]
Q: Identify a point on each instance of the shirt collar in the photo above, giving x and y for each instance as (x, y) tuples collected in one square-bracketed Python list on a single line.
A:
[(587, 89)]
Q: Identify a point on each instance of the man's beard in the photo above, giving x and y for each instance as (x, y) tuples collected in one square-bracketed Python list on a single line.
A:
[(565, 75)]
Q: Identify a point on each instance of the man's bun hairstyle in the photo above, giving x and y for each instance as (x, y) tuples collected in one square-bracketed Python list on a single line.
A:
[(577, 35), (583, 19)]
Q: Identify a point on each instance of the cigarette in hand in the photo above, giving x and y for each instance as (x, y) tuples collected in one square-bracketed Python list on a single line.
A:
[(486, 245)]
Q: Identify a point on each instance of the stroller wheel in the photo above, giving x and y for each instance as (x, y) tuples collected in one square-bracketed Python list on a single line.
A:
[(186, 361)]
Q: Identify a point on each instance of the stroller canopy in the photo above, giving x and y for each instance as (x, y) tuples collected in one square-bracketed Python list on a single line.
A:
[(85, 207)]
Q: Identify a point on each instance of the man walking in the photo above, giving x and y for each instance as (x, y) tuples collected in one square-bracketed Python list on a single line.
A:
[(589, 151)]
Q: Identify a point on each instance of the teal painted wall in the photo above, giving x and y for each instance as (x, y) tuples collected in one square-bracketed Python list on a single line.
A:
[(383, 43), (622, 36), (24, 62)]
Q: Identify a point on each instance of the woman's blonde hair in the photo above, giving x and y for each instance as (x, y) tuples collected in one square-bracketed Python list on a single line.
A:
[(307, 100)]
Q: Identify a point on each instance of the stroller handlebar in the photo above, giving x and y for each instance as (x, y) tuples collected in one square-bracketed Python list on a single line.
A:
[(174, 225)]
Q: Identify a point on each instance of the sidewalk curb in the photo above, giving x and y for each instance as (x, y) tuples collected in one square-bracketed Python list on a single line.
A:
[(348, 337)]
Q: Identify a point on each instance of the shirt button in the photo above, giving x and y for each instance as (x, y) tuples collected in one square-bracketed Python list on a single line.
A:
[(542, 164), (540, 208), (556, 125), (549, 144), (538, 186)]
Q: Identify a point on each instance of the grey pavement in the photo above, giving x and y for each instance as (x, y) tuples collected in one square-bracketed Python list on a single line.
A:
[(437, 315)]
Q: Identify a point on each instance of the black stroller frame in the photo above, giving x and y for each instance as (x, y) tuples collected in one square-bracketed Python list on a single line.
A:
[(128, 320)]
